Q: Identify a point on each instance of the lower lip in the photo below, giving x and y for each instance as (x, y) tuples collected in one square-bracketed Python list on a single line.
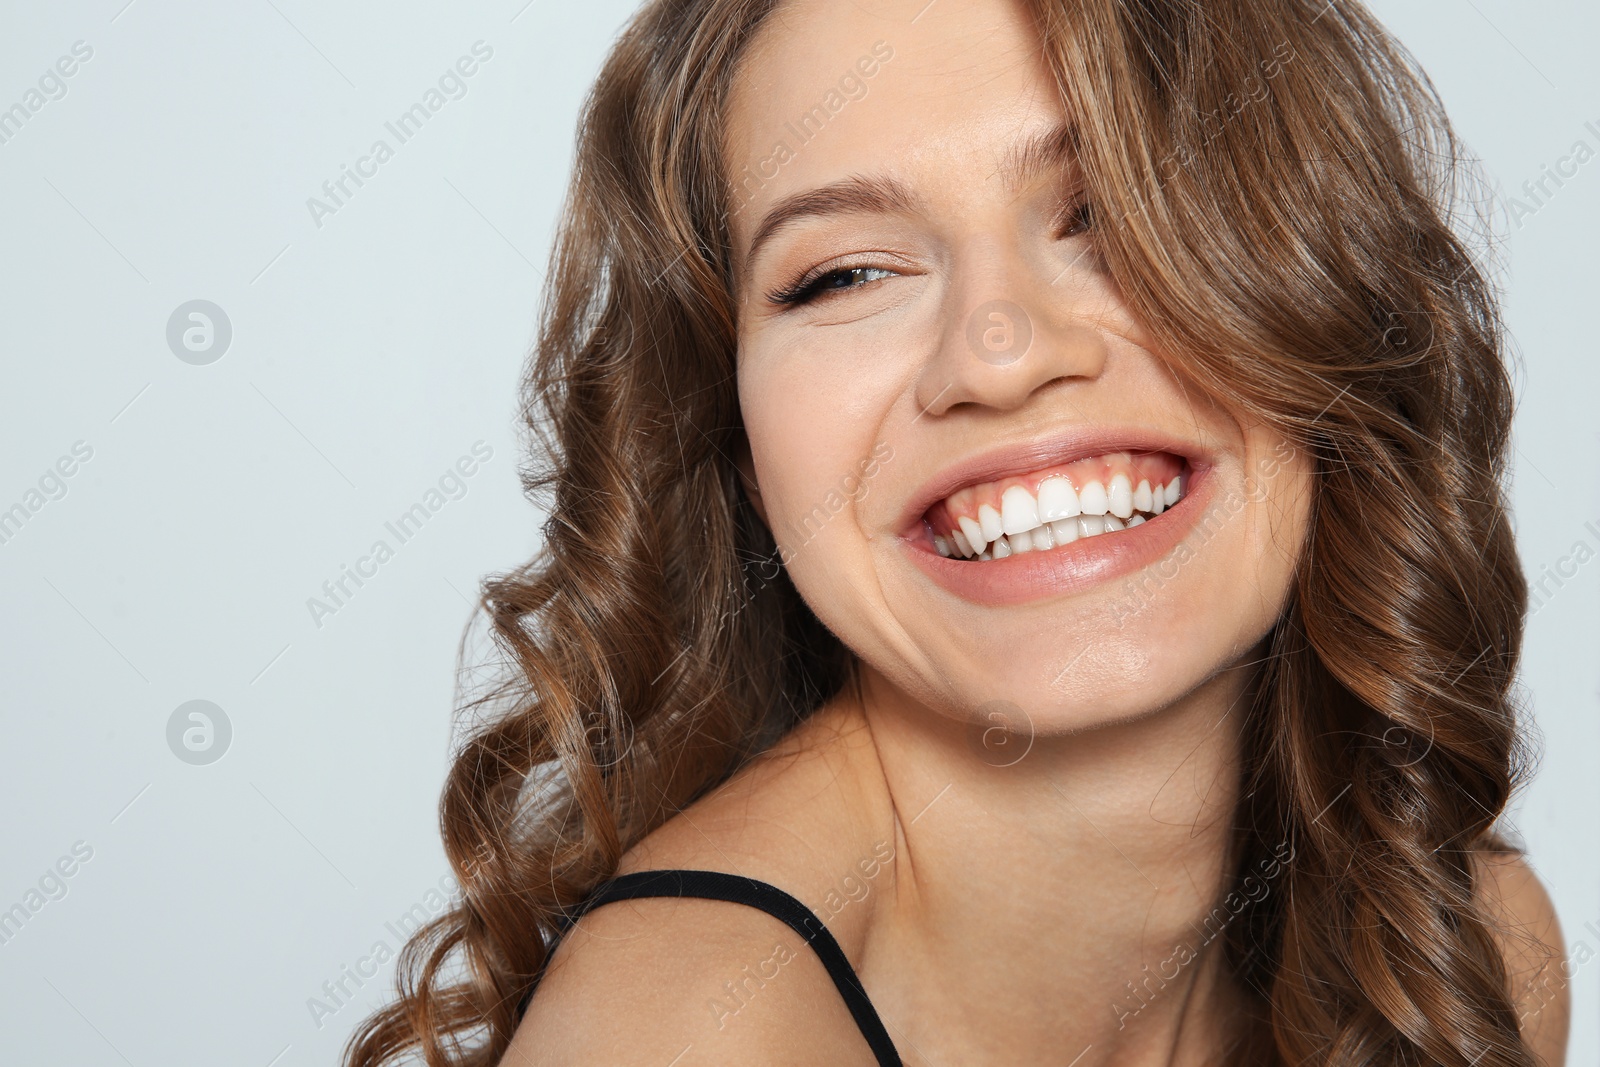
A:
[(1083, 564)]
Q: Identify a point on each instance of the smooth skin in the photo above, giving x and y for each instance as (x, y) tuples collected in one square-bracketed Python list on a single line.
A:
[(1023, 895)]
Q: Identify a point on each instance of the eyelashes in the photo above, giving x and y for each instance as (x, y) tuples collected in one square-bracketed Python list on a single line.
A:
[(814, 283), (1075, 219)]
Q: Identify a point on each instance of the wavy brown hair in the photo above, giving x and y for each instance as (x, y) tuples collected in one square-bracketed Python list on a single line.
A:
[(1284, 187)]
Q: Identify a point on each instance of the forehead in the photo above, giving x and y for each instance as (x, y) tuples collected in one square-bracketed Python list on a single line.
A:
[(830, 89)]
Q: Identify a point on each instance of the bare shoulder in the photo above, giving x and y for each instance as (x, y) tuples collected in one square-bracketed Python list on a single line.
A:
[(690, 981), (684, 982), (1530, 938)]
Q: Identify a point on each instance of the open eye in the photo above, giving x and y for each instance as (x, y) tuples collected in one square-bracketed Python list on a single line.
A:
[(812, 284)]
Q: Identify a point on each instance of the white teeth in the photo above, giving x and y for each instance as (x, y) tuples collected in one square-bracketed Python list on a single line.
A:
[(1018, 510), (1058, 516), (989, 523), (1058, 500), (1142, 497), (1120, 496), (976, 542), (1093, 499)]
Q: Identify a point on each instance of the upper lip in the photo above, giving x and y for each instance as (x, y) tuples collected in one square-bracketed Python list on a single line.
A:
[(1020, 457)]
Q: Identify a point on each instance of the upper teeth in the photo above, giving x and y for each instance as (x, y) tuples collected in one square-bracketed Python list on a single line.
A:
[(1059, 515)]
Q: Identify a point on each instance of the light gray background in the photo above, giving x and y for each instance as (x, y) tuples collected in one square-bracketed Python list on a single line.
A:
[(368, 354)]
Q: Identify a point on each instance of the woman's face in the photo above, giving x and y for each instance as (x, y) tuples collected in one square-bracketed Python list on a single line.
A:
[(931, 360)]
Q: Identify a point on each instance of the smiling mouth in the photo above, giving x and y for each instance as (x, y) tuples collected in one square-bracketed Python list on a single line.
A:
[(1047, 509)]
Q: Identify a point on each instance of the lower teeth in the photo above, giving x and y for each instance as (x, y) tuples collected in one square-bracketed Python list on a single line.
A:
[(1043, 538)]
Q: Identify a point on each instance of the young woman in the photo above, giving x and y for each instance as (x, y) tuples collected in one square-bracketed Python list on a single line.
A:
[(1027, 578)]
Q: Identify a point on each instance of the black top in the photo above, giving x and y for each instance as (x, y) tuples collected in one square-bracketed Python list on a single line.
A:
[(736, 889)]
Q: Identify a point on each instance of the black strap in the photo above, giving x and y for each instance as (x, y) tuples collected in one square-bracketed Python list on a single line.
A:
[(736, 889)]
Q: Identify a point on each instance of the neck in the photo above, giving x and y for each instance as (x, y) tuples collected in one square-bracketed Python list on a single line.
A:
[(1077, 881)]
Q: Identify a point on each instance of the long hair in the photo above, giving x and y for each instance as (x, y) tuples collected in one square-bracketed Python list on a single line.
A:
[(1279, 181)]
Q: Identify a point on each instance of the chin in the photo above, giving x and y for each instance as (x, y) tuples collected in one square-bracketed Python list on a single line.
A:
[(1114, 653)]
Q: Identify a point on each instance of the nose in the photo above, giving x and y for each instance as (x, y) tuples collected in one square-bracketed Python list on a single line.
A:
[(1009, 331)]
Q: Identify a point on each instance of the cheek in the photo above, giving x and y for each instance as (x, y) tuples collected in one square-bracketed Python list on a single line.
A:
[(1245, 550), (809, 441), (1202, 609), (1240, 575), (1281, 499), (1172, 628)]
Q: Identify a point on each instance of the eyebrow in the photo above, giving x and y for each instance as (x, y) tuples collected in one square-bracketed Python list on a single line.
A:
[(1051, 149), (879, 195)]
